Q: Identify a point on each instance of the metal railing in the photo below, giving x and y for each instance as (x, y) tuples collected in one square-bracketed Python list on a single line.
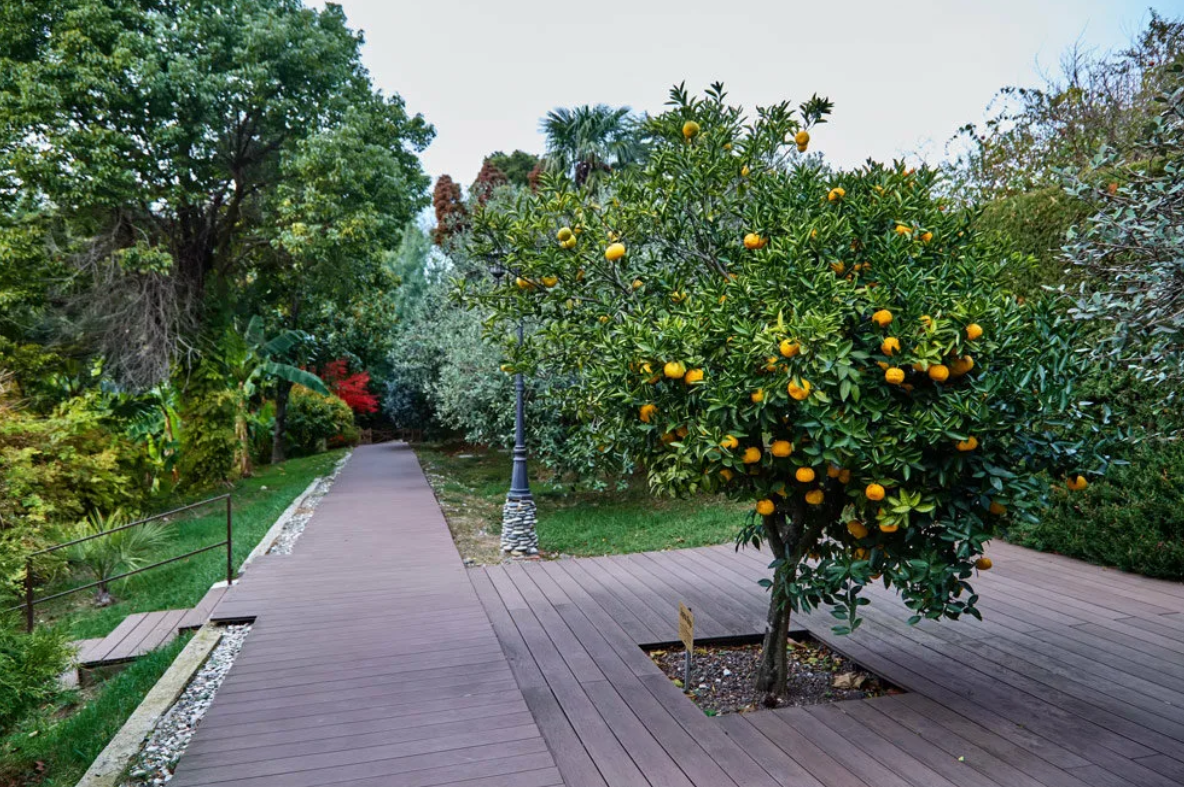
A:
[(30, 602)]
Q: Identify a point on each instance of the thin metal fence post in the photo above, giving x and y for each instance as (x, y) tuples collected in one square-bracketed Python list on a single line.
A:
[(30, 621), (229, 542)]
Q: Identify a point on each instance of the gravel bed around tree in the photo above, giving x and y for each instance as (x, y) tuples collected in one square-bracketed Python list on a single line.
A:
[(155, 763), (285, 542), (723, 677)]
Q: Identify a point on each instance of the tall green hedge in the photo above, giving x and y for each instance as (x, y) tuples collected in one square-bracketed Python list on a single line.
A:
[(1034, 225)]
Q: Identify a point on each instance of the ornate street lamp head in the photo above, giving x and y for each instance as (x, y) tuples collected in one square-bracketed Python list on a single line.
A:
[(497, 270)]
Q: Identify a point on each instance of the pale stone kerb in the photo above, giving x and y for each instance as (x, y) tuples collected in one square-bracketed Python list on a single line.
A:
[(109, 766), (273, 533)]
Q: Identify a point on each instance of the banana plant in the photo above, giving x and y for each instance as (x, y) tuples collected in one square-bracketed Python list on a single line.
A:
[(251, 362)]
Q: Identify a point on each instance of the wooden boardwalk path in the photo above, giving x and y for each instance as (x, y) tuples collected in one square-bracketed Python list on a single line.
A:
[(1076, 677), (378, 660), (371, 661)]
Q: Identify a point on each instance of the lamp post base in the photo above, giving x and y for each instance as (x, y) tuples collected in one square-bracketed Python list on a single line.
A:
[(518, 532)]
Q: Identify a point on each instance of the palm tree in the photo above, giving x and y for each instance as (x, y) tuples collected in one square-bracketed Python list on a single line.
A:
[(250, 361), (587, 142)]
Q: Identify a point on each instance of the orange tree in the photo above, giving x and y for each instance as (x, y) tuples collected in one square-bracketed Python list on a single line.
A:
[(833, 346)]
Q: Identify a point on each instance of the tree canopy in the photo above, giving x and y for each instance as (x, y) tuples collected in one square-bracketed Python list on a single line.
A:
[(157, 157)]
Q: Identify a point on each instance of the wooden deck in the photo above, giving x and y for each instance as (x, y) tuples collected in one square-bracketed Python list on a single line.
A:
[(378, 660), (371, 661), (1076, 677)]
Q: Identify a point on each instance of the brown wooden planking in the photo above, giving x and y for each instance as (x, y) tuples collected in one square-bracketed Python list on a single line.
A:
[(371, 659), (569, 632)]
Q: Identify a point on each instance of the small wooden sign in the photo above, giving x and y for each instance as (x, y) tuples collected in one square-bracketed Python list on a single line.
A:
[(686, 626), (686, 633)]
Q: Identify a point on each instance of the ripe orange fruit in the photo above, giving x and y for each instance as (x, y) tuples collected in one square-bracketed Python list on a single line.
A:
[(801, 148), (832, 471), (781, 448), (983, 564), (693, 376), (752, 455), (729, 442), (674, 370), (886, 528), (802, 138), (754, 241), (1077, 484), (973, 331), (998, 509), (901, 229), (882, 317), (939, 373), (857, 529), (638, 284), (614, 252), (563, 234), (960, 366), (647, 412), (757, 396), (969, 444), (844, 476), (890, 346), (804, 475), (789, 349), (836, 194), (874, 492), (764, 507), (690, 129), (550, 281), (726, 474), (894, 376), (838, 267), (523, 284), (926, 237), (798, 392), (814, 497)]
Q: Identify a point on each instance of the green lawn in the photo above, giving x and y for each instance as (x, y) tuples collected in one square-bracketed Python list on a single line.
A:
[(55, 747), (471, 485), (258, 501)]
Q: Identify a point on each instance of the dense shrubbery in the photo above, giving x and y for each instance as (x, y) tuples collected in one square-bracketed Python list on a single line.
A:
[(29, 669), (1033, 227), (317, 422)]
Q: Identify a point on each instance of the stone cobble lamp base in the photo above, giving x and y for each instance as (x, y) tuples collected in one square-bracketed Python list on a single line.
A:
[(518, 527)]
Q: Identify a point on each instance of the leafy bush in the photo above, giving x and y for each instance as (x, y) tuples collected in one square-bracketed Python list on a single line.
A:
[(316, 422), (29, 668), (208, 440), (1133, 516), (1034, 225), (53, 472)]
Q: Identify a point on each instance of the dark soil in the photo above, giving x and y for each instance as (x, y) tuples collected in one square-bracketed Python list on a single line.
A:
[(723, 678)]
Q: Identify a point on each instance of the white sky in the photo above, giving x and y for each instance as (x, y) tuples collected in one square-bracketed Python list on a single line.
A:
[(904, 75)]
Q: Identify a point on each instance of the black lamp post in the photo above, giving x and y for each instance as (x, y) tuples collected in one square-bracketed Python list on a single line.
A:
[(518, 514)]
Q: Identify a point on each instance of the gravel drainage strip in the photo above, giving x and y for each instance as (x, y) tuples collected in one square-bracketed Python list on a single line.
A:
[(155, 763)]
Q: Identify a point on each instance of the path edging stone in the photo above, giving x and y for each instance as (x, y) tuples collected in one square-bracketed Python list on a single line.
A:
[(277, 527), (108, 768)]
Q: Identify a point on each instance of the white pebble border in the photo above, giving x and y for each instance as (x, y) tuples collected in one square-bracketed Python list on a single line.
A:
[(155, 763), (286, 540)]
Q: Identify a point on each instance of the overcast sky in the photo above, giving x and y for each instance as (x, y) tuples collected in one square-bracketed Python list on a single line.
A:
[(904, 75)]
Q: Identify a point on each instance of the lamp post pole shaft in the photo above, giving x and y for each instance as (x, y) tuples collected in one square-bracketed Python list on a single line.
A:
[(519, 483)]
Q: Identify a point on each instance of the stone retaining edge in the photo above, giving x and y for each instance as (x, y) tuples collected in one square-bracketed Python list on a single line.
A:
[(108, 768)]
